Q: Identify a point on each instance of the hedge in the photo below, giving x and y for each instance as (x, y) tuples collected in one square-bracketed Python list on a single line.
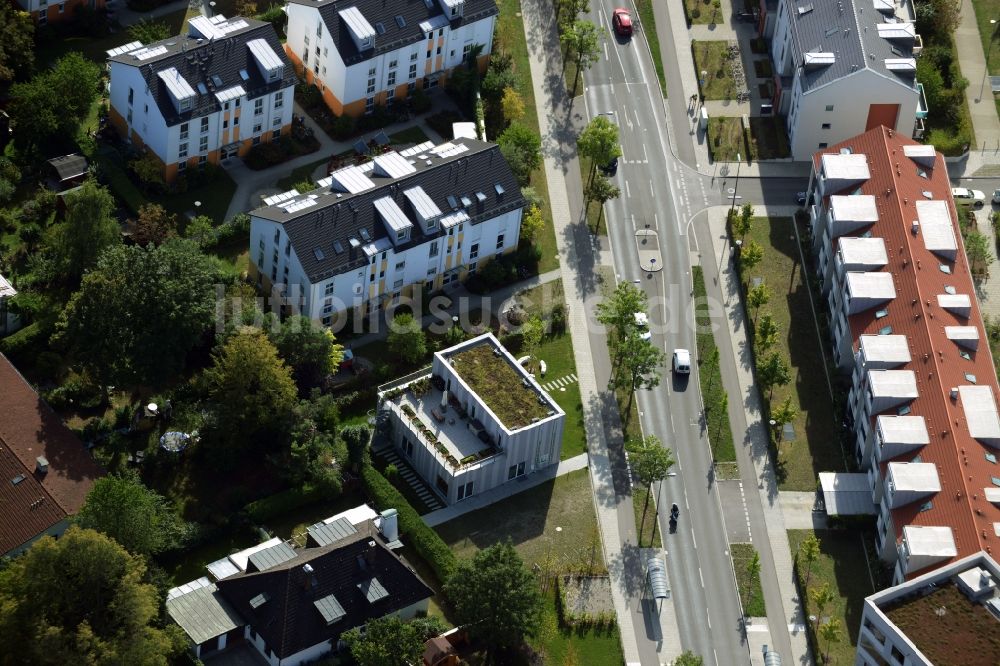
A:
[(424, 540), (282, 502)]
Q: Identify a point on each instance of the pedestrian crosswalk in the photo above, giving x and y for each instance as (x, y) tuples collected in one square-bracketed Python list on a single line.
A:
[(412, 480), (560, 383)]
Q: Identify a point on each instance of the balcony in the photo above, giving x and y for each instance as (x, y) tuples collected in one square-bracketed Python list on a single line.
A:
[(922, 107)]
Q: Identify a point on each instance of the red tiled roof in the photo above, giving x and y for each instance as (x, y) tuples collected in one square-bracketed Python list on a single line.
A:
[(29, 429), (960, 459)]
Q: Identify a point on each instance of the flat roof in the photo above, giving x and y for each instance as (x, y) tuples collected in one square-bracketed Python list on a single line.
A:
[(847, 493), (854, 208), (960, 304), (324, 533), (936, 227), (893, 383), (422, 204), (392, 214), (845, 167), (266, 558), (980, 409), (452, 432), (930, 540), (903, 429), (909, 476), (871, 285), (885, 349), (863, 252)]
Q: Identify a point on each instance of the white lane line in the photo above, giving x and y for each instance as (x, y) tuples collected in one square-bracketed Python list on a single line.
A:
[(645, 158), (606, 56), (652, 192), (716, 655), (709, 618), (702, 578), (628, 192)]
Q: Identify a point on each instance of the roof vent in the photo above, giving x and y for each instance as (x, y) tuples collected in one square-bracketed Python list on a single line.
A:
[(805, 9), (954, 393), (915, 227), (41, 465)]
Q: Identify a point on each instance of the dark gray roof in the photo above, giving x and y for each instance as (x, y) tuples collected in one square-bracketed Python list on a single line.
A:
[(336, 219), (395, 36), (271, 557), (323, 534), (849, 30), (301, 603), (69, 166), (199, 60)]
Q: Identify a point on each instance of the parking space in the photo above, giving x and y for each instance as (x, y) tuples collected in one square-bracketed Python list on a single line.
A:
[(734, 511)]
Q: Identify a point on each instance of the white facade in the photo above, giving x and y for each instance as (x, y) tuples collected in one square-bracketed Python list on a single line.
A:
[(379, 74)]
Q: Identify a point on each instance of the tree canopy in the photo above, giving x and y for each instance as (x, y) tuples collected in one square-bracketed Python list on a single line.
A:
[(617, 310), (139, 312), (522, 149), (17, 43), (599, 141), (496, 597), (89, 229), (54, 102), (581, 42), (406, 339), (252, 390), (82, 599), (310, 350), (387, 641), (136, 517), (532, 223)]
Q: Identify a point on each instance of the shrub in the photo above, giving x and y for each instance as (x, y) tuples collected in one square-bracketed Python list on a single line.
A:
[(696, 12), (275, 15), (377, 119), (25, 345), (342, 127), (307, 94), (283, 502), (424, 540), (420, 102)]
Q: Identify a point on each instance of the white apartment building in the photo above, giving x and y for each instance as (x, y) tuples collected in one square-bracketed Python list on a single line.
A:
[(842, 68), (373, 233), (948, 617), (473, 421), (213, 93), (360, 53)]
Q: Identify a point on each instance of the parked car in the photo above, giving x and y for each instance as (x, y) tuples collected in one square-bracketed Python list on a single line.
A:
[(964, 195), (996, 196), (682, 361), (621, 21)]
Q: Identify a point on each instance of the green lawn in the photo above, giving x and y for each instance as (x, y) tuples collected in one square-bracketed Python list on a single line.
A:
[(648, 529), (95, 48), (726, 138), (560, 645), (409, 135), (510, 38), (529, 519), (986, 10), (842, 563), (720, 434), (647, 21), (711, 57), (816, 447), (751, 596), (701, 12), (557, 352), (300, 174)]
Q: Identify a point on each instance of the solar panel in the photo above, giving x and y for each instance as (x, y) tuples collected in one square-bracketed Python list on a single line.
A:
[(119, 50), (259, 600), (147, 53)]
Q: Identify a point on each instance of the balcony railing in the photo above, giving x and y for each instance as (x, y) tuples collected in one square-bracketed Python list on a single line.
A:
[(922, 107)]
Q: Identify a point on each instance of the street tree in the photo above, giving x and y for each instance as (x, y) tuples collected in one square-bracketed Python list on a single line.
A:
[(406, 339), (512, 105), (617, 311), (783, 413), (532, 223), (746, 217), (581, 42), (689, 658), (89, 228), (758, 297), (139, 311), (599, 142), (139, 519), (387, 641), (601, 190), (17, 43), (650, 462), (154, 225), (767, 333), (309, 349), (821, 597), (639, 367), (252, 392), (522, 149), (82, 599), (751, 254), (809, 552), (568, 11), (753, 573), (740, 224), (147, 30), (773, 371), (496, 598), (831, 632)]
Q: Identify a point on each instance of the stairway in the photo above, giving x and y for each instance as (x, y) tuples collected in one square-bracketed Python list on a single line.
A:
[(412, 479)]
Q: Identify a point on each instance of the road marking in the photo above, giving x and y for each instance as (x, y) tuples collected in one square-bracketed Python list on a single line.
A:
[(755, 627), (606, 56), (716, 655), (702, 578), (709, 618), (652, 192), (628, 192), (645, 158)]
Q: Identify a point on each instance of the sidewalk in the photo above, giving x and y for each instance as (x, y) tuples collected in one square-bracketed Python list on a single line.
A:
[(972, 60), (503, 491), (776, 558)]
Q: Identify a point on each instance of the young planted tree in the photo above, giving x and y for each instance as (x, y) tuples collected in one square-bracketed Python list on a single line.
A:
[(977, 251), (406, 339), (512, 105), (639, 367), (650, 462), (773, 371), (809, 552), (688, 658), (496, 598), (782, 414), (821, 597), (751, 254), (767, 333), (757, 297), (753, 573), (617, 311), (831, 632), (599, 142), (601, 190), (531, 335), (741, 223), (581, 44), (531, 224)]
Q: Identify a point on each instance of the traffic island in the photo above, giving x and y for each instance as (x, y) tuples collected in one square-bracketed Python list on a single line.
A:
[(647, 244)]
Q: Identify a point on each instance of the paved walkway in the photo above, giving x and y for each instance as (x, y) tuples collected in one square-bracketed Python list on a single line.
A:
[(797, 509), (777, 575), (503, 491), (972, 61)]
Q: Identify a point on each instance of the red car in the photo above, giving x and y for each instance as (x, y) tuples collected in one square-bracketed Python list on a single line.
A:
[(621, 21)]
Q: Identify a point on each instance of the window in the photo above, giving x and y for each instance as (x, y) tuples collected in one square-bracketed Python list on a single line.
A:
[(474, 251), (371, 86), (390, 94), (324, 70), (369, 105), (434, 249), (408, 448), (276, 133), (410, 87), (328, 306), (441, 32), (203, 144), (319, 29), (466, 50), (515, 471), (328, 289), (823, 144), (255, 141), (413, 72), (305, 40), (202, 160), (204, 124), (277, 122), (472, 267), (182, 151), (829, 107), (237, 102), (316, 67), (279, 99), (277, 238), (258, 106), (260, 259), (392, 79), (433, 83), (257, 127), (431, 272), (438, 52), (129, 116), (236, 121), (131, 96), (429, 51), (181, 166), (225, 124), (500, 242), (826, 125), (397, 284), (465, 491), (392, 63), (145, 108), (401, 265), (184, 131), (225, 106), (413, 56)]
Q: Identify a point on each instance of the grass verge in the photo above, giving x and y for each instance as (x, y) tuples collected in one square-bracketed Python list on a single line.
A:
[(711, 57), (843, 565), (510, 38), (648, 530), (713, 394), (564, 645), (751, 595), (647, 20), (529, 519), (557, 352), (814, 449), (701, 12)]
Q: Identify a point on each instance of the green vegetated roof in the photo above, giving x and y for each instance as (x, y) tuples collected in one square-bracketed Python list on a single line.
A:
[(500, 386)]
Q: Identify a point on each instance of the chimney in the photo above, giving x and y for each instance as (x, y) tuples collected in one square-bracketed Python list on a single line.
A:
[(389, 526), (41, 465)]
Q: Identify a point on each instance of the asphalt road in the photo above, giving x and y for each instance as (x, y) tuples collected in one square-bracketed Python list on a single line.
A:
[(659, 193)]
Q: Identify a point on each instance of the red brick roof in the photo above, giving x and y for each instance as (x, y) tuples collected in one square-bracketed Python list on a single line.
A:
[(29, 429), (961, 462)]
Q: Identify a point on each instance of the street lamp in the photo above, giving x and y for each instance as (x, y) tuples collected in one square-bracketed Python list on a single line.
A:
[(986, 70)]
